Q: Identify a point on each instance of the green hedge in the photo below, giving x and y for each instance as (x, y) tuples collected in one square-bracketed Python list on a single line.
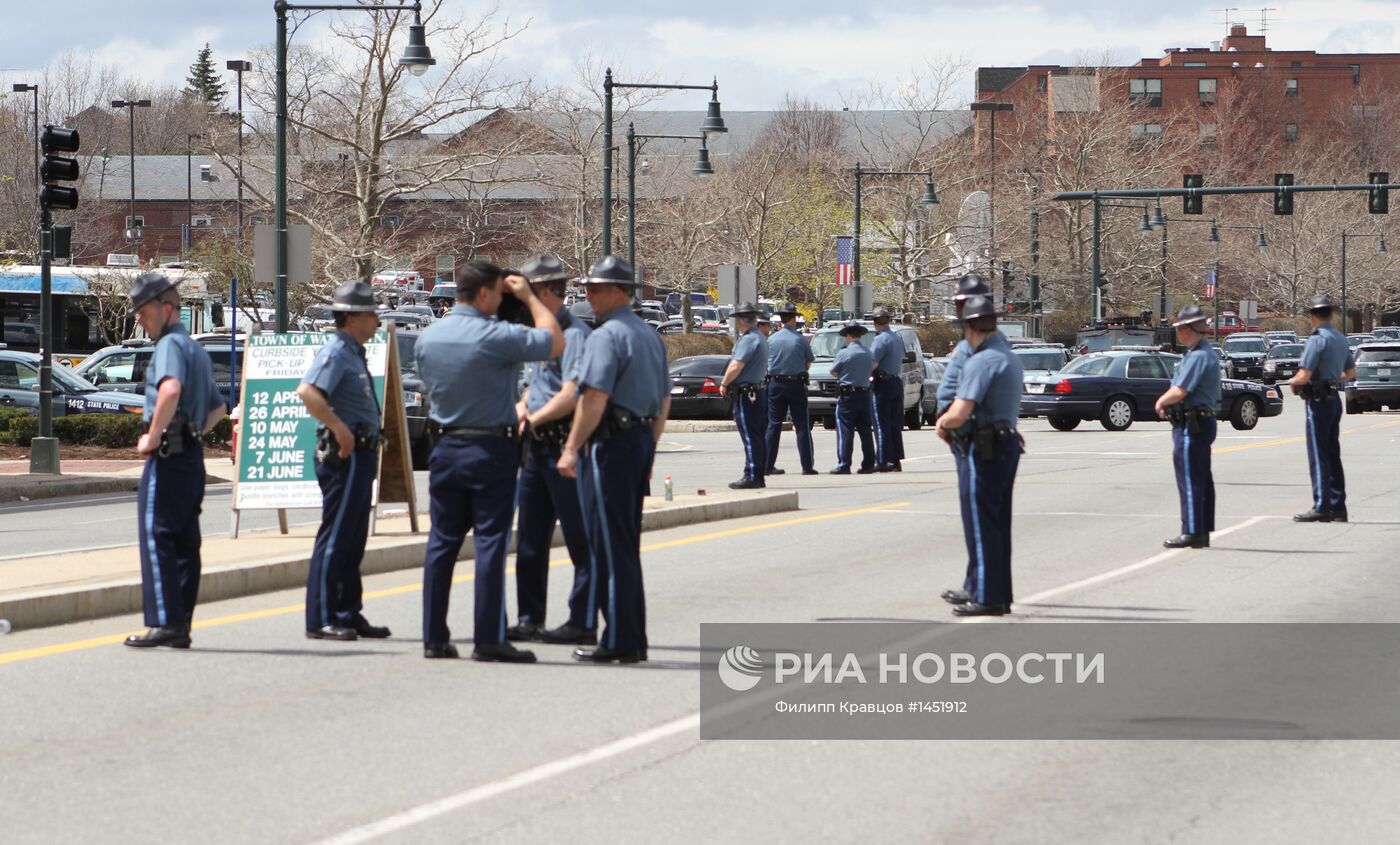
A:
[(114, 431)]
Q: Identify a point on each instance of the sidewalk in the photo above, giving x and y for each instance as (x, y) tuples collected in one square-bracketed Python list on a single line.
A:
[(88, 477), (57, 589)]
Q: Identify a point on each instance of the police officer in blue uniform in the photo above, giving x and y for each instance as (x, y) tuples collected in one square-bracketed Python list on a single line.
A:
[(182, 403), (338, 391), (1327, 362), (744, 383), (981, 423), (469, 361), (1191, 404), (852, 367), (545, 410), (789, 360), (887, 393), (625, 397), (968, 286)]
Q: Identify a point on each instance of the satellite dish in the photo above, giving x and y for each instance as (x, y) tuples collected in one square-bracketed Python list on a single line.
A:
[(974, 229)]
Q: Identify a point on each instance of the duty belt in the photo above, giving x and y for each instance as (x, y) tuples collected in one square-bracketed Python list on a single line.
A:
[(985, 439), (553, 433), (750, 389), (177, 437), (1190, 418), (881, 375), (618, 419), (848, 389), (464, 433), (328, 448), (1318, 390), (799, 377)]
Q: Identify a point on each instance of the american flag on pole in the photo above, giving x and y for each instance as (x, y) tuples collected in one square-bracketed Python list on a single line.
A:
[(1210, 283), (845, 251)]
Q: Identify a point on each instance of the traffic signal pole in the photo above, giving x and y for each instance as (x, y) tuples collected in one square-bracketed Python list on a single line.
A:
[(43, 450)]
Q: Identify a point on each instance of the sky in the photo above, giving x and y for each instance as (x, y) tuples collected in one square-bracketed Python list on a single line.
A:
[(761, 50)]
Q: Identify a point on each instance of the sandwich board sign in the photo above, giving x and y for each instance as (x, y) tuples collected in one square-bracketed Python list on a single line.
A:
[(276, 466)]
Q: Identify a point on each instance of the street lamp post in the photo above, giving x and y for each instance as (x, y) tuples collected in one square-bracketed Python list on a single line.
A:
[(20, 88), (1261, 242), (239, 67), (416, 58), (992, 109), (713, 124), (929, 199), (702, 168), (1380, 247), (1096, 244), (133, 232)]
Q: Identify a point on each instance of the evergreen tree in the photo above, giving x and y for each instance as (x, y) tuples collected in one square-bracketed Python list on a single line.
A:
[(203, 81)]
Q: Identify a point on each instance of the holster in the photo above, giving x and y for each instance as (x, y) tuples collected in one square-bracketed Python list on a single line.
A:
[(1316, 391), (177, 437), (988, 438), (617, 419), (551, 433)]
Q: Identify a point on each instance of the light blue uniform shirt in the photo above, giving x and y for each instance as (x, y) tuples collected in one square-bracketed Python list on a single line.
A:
[(179, 356), (546, 378), (888, 351), (992, 377), (1326, 354), (340, 372), (751, 350), (625, 358), (1199, 373), (853, 365), (470, 364), (789, 353), (952, 374)]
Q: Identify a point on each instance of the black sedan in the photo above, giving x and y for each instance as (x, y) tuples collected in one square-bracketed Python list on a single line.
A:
[(695, 388), (1282, 362), (1118, 387)]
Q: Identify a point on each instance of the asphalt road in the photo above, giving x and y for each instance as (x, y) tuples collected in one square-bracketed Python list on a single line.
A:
[(258, 735)]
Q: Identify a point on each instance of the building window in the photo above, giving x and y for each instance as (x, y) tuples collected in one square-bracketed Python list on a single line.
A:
[(1145, 92), (1144, 133), (1356, 74), (1207, 134), (256, 220), (1194, 64), (390, 221), (1290, 88), (201, 221), (137, 222), (1205, 91), (1290, 132), (1295, 64), (507, 218), (1365, 112), (454, 220), (1041, 82), (446, 269)]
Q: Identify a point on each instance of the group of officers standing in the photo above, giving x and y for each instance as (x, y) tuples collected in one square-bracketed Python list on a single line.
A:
[(577, 447)]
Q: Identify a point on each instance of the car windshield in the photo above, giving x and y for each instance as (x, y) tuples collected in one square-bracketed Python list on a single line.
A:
[(1379, 356), (407, 362), (71, 381), (709, 315), (827, 344), (1286, 350), (1041, 360), (1357, 340), (1088, 365), (1249, 345), (706, 366)]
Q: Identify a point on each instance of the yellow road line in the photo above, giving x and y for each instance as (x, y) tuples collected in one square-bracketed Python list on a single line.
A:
[(231, 619)]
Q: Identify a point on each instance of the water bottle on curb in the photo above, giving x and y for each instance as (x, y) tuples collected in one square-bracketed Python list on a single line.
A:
[(4, 627), (670, 490)]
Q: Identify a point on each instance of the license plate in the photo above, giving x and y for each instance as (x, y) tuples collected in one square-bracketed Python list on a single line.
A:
[(677, 390), (1035, 388), (1382, 372)]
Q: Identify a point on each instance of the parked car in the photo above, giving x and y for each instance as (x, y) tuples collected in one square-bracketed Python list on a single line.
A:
[(404, 319), (652, 315), (672, 305), (1042, 360), (1355, 340), (695, 388), (709, 319), (1282, 362), (1377, 383), (1275, 338), (424, 311), (1386, 332), (1117, 388), (821, 390), (122, 368), (933, 374), (1244, 353), (442, 297), (72, 394)]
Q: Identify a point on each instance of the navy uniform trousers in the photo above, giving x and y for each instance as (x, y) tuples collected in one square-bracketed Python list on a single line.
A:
[(1329, 483), (784, 398), (471, 482), (545, 496), (167, 510), (887, 401), (612, 478), (853, 411), (1195, 483), (751, 415), (984, 492), (334, 590)]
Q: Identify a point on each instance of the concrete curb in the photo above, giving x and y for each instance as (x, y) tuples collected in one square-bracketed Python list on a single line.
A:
[(59, 606), (58, 486)]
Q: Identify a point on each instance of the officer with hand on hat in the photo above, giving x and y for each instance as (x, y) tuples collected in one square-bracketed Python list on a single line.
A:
[(887, 393), (852, 368), (789, 360), (1191, 403), (982, 423), (469, 362), (545, 410), (744, 381), (338, 391), (182, 404), (626, 395), (968, 286), (1327, 362)]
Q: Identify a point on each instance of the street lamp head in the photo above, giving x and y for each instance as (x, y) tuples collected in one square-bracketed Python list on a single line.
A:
[(645, 167), (239, 65), (713, 121), (1145, 225), (930, 197), (416, 56), (1381, 246), (702, 167), (1214, 234), (20, 87), (1158, 221), (1261, 243)]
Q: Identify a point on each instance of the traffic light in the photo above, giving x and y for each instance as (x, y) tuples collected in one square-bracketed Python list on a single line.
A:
[(1283, 200), (1379, 200), (58, 168), (1191, 203)]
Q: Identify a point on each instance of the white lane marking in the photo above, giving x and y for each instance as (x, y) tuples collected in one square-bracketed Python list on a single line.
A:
[(1019, 514), (519, 780)]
